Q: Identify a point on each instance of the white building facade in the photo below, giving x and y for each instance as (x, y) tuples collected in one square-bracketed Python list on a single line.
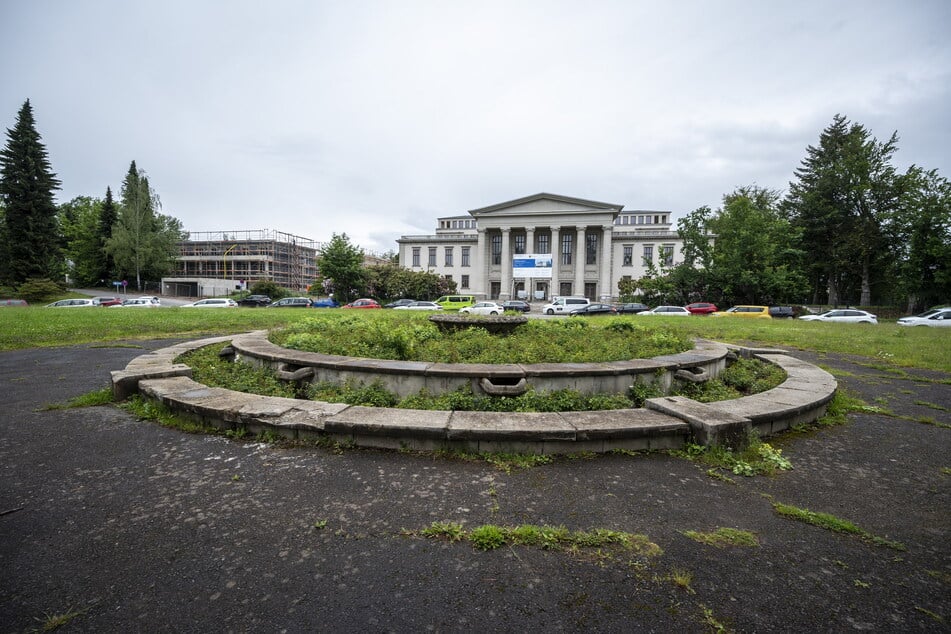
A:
[(501, 251)]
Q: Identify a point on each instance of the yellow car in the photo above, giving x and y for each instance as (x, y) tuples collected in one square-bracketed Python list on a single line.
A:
[(750, 312)]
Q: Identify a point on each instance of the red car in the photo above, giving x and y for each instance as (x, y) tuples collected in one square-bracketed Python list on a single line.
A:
[(109, 300), (701, 308), (363, 303)]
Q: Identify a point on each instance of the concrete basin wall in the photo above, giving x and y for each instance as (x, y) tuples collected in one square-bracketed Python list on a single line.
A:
[(406, 378), (666, 422)]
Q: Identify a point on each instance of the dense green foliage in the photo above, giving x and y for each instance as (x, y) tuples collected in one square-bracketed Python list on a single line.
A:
[(29, 235), (408, 336), (851, 230), (391, 281), (143, 243), (340, 269)]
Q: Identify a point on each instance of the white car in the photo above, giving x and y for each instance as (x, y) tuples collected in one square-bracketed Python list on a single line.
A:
[(215, 302), (419, 306), (152, 298), (73, 303), (483, 308), (666, 311), (846, 315), (141, 302), (936, 318)]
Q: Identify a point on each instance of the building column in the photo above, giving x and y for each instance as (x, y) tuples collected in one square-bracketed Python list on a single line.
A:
[(554, 288), (505, 292), (529, 248), (607, 256), (580, 256), (480, 266)]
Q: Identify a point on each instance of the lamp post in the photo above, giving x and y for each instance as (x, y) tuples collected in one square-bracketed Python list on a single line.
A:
[(225, 259)]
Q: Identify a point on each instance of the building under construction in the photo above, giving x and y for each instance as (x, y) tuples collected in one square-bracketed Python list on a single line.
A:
[(219, 262)]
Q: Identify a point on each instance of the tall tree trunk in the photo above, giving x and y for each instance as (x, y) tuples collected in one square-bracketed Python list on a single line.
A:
[(866, 297), (833, 292)]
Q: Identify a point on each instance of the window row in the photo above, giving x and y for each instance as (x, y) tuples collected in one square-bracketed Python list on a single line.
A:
[(447, 255), (665, 255), (641, 219), (457, 224)]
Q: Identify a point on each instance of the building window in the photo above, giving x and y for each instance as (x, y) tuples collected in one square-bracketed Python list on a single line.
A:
[(465, 281), (543, 246), (497, 249), (432, 256), (628, 255), (566, 248), (520, 243), (495, 289), (465, 256), (415, 256), (564, 289), (591, 290), (448, 256), (667, 255), (591, 248), (648, 254), (448, 278)]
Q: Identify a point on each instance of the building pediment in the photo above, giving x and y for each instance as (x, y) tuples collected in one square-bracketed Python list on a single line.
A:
[(543, 203)]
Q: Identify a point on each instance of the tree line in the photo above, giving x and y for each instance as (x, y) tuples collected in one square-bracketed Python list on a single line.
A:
[(851, 229), (91, 241)]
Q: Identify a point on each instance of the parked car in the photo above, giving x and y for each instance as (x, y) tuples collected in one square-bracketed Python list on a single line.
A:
[(327, 302), (594, 309), (747, 312), (936, 318), (781, 312), (701, 308), (517, 304), (564, 305), (419, 306), (138, 302), (213, 302), (399, 302), (13, 302), (108, 300), (847, 315), (72, 303), (632, 308), (255, 301), (291, 302), (363, 303), (483, 308), (455, 302), (666, 311), (152, 298)]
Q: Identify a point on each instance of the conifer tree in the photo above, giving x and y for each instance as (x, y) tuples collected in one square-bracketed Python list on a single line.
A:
[(108, 215), (30, 231)]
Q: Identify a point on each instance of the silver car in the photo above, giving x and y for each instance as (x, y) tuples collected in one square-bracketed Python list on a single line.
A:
[(935, 318)]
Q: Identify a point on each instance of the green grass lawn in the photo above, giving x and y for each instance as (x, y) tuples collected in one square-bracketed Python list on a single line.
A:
[(886, 343)]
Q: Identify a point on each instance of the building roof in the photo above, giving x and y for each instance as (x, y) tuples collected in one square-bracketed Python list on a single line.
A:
[(573, 203)]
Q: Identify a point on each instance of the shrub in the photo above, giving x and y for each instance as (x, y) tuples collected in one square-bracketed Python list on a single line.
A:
[(36, 290)]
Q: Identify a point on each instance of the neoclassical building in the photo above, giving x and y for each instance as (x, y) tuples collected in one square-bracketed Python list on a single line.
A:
[(544, 245)]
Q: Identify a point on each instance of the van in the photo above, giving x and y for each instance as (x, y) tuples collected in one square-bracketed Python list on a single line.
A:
[(455, 302), (564, 305)]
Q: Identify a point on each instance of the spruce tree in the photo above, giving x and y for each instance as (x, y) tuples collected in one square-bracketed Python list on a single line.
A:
[(108, 215), (27, 183)]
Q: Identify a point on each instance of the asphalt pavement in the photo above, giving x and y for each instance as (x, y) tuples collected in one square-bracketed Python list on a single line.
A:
[(125, 526)]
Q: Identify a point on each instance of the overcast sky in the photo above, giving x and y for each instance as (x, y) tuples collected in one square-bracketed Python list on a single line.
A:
[(373, 118)]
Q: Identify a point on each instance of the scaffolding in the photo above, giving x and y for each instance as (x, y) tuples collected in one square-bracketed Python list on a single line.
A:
[(249, 256)]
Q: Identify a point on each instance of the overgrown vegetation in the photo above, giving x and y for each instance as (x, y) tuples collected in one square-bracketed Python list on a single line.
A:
[(90, 399), (491, 537), (723, 537), (833, 523), (411, 337), (757, 458), (743, 377)]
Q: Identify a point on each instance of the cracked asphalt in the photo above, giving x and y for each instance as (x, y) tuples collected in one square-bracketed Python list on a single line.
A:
[(125, 526)]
